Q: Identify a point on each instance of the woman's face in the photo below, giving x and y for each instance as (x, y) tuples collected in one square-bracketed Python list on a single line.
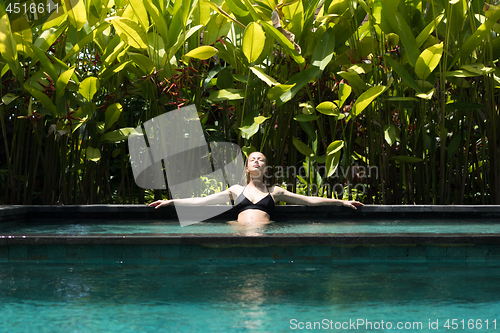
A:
[(256, 163)]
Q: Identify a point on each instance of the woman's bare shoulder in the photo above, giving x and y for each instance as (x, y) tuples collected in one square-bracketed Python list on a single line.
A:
[(276, 190), (236, 189)]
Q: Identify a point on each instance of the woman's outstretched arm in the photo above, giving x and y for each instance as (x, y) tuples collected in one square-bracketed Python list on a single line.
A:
[(212, 199), (283, 195)]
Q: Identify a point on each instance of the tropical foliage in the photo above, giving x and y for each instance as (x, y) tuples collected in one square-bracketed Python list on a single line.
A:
[(398, 100)]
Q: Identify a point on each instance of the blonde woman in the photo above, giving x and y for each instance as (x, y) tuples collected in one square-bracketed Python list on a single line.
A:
[(255, 201)]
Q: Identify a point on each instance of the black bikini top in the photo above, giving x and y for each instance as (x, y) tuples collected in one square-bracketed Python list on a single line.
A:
[(265, 204)]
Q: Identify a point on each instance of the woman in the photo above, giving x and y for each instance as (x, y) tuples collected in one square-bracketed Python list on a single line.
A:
[(255, 201)]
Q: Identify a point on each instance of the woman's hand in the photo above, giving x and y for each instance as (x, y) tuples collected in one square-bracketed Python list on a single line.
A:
[(351, 204), (157, 204)]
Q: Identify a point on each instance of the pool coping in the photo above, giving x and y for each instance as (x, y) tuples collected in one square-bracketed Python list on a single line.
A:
[(355, 239), (18, 212)]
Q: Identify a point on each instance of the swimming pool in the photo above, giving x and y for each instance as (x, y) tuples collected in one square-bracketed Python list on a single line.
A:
[(247, 297), (323, 234), (85, 269)]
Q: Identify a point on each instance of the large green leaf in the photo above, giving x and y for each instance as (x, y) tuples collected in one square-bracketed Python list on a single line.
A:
[(90, 37), (181, 40), (280, 38), (157, 50), (338, 7), (114, 47), (478, 68), (55, 19), (428, 60), (249, 130), (118, 135), (93, 154), (21, 30), (424, 34), (307, 108), (89, 87), (110, 71), (275, 92), (399, 25), (8, 47), (62, 82), (44, 99), (201, 13), (305, 117), (157, 20), (302, 147), (202, 52), (298, 81), (141, 13), (332, 163), (8, 98), (328, 108), (310, 14), (427, 95), (49, 37), (476, 39), (227, 95), (250, 124), (333, 154), (460, 74), (263, 76), (390, 134), (143, 62), (178, 22), (112, 114), (334, 147), (323, 52), (225, 79), (365, 99), (344, 93), (223, 13), (308, 128), (260, 119), (294, 14), (355, 81), (77, 14), (48, 67), (403, 73), (130, 32), (253, 42), (237, 8), (251, 9)]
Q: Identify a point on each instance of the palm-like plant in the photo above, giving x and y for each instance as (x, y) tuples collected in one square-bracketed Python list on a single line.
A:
[(406, 88)]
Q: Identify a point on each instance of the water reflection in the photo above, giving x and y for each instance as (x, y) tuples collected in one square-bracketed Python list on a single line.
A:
[(245, 297), (35, 282), (249, 291), (250, 228)]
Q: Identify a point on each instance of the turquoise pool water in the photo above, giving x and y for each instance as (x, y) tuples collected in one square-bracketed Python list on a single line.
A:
[(245, 297), (86, 227)]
